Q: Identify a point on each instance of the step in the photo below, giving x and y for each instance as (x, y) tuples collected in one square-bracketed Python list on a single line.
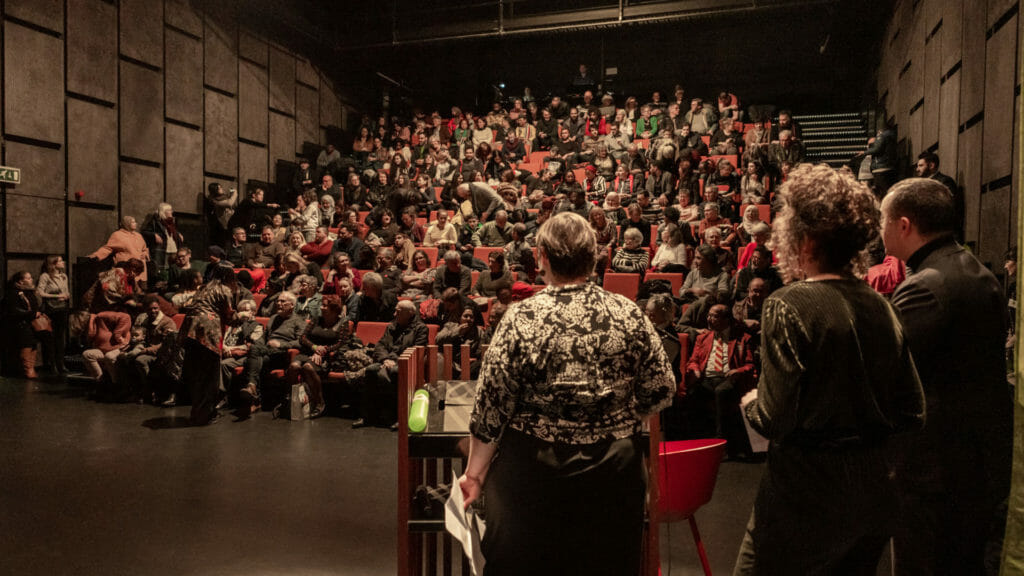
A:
[(832, 131), (827, 116), (830, 123), (852, 141)]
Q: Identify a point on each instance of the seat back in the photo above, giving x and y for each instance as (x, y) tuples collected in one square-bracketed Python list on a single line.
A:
[(675, 278), (481, 252), (687, 471), (431, 252), (178, 319), (627, 284), (371, 332)]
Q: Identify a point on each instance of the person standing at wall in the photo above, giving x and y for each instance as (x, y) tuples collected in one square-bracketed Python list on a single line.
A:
[(955, 474)]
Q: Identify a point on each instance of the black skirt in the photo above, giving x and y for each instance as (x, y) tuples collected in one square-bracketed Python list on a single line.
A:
[(564, 509)]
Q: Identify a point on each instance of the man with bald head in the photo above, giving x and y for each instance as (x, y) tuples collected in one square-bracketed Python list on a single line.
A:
[(955, 473)]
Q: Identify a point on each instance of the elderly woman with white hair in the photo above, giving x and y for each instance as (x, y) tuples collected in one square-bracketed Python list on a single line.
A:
[(125, 244), (631, 257), (565, 386), (162, 237)]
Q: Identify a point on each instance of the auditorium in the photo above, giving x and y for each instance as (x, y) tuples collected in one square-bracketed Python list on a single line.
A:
[(652, 287)]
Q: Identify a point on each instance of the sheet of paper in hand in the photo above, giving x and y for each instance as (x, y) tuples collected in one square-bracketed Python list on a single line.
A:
[(465, 526)]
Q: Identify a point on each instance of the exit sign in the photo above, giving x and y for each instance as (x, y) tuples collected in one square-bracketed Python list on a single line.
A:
[(10, 175)]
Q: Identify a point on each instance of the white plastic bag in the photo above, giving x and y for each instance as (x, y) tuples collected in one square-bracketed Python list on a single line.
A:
[(300, 403)]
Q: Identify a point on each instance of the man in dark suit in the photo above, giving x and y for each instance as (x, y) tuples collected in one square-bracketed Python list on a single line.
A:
[(955, 473), (928, 167)]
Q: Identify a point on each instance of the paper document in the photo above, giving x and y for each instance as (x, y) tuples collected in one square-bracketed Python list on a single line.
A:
[(465, 526)]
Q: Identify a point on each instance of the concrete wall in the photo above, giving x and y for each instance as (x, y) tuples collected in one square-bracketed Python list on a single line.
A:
[(949, 76), (112, 107)]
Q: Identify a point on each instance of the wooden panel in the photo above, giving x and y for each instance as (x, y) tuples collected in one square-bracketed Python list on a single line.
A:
[(34, 97), (92, 49), (184, 171), (142, 118), (181, 15), (88, 229), (330, 106), (972, 94), (995, 226), (306, 73), (46, 13), (970, 178), (221, 62), (35, 225), (307, 117), (932, 75), (92, 151), (282, 81), (912, 131), (282, 139), (952, 33), (253, 94), (221, 134), (252, 164), (42, 169), (253, 48), (184, 78), (949, 115), (996, 8), (1015, 190), (1000, 79), (142, 30), (142, 189)]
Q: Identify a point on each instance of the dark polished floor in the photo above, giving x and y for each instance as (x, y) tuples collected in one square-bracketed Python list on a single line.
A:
[(90, 488)]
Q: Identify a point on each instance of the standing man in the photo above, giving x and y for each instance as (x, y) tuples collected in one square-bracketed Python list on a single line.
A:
[(955, 474), (928, 167)]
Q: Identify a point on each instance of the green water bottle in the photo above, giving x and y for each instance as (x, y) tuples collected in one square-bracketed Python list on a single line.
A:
[(418, 411)]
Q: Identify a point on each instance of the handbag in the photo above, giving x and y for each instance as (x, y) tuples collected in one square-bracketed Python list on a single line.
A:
[(42, 323)]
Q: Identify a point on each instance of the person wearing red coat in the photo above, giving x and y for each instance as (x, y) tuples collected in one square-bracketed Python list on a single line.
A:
[(720, 371)]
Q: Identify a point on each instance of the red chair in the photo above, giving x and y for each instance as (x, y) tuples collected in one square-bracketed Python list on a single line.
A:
[(431, 252), (626, 284), (687, 471), (764, 212), (371, 332), (178, 319), (481, 252), (675, 278)]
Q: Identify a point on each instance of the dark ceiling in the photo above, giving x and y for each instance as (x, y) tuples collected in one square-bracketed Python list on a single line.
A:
[(806, 55)]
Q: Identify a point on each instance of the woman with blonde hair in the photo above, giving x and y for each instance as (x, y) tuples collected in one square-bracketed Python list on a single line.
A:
[(52, 291)]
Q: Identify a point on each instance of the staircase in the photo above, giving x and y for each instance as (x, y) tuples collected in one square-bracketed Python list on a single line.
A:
[(832, 138)]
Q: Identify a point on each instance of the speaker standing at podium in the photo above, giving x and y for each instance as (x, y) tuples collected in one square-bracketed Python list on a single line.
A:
[(564, 387)]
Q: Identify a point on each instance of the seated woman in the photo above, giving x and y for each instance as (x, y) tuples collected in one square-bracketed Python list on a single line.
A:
[(493, 279), (742, 234), (706, 277), (323, 336), (382, 225), (632, 257), (613, 209), (418, 280), (465, 331), (752, 186), (607, 235), (404, 250), (190, 284), (116, 289), (673, 255)]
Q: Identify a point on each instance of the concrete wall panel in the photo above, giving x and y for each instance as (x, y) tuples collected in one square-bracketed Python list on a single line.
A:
[(972, 94), (252, 164), (952, 33), (92, 151), (88, 229), (1000, 79), (330, 106), (253, 94), (184, 78), (969, 177), (42, 169), (932, 75), (306, 73), (995, 227), (142, 113), (282, 139), (282, 81), (307, 116), (35, 225), (184, 169), (253, 48), (221, 134), (221, 39), (142, 189), (142, 30), (46, 13), (949, 115), (34, 93), (92, 49), (181, 15), (996, 8)]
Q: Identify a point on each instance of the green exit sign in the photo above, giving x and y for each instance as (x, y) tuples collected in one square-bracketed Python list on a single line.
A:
[(10, 175)]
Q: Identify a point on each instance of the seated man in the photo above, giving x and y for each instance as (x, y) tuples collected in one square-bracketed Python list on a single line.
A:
[(283, 331), (261, 254), (760, 268), (497, 232), (453, 275), (155, 326), (319, 249), (241, 334), (379, 386), (179, 268), (389, 272), (235, 249), (374, 303), (719, 372)]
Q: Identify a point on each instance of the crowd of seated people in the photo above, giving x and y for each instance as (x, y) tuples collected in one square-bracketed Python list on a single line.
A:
[(431, 220)]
